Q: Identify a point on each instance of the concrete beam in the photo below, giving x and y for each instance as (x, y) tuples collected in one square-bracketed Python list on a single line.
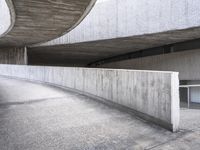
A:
[(166, 49)]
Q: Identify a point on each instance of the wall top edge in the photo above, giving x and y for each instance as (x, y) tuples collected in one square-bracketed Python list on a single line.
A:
[(103, 69)]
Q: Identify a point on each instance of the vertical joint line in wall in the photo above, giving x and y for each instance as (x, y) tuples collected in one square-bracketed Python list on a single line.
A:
[(25, 56)]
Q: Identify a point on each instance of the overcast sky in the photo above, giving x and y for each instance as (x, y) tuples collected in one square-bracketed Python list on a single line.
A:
[(4, 17)]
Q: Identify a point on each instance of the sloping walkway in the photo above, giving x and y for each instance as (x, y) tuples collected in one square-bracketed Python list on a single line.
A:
[(39, 117)]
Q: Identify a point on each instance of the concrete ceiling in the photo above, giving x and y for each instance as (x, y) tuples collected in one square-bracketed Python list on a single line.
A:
[(117, 27), (42, 20), (81, 54)]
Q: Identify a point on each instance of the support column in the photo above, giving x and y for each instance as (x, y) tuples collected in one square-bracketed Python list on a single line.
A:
[(13, 56)]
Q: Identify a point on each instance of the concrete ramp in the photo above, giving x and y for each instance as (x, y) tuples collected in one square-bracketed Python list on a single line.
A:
[(37, 116), (153, 96)]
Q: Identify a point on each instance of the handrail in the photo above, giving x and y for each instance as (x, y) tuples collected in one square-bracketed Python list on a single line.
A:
[(188, 86)]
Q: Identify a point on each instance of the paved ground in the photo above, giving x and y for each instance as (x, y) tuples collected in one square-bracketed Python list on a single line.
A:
[(40, 117)]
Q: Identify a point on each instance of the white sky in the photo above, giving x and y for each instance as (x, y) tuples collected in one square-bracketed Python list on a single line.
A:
[(5, 19), (100, 1)]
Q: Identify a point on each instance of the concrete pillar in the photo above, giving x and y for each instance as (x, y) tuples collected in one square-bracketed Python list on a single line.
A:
[(13, 56)]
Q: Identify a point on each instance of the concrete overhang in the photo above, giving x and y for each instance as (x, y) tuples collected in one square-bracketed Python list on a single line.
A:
[(42, 20), (116, 27)]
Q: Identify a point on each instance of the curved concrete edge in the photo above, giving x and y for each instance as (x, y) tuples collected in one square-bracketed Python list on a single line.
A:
[(12, 17), (87, 11), (152, 96), (120, 107), (132, 19)]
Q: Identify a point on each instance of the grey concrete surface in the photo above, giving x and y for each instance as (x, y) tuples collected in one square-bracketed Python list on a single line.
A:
[(152, 95), (38, 117), (110, 19), (186, 63), (39, 21), (193, 115), (115, 27), (13, 56), (190, 120)]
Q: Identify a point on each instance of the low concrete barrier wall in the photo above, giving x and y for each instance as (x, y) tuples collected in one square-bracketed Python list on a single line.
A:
[(152, 95)]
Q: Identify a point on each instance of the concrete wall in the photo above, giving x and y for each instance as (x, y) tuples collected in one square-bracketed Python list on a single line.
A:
[(152, 95), (186, 63), (13, 56), (111, 19)]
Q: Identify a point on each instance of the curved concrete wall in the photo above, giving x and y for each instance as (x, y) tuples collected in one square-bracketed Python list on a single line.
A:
[(5, 17), (111, 19), (152, 95)]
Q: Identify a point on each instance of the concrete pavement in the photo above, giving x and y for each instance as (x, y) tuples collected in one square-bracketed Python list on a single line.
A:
[(39, 117)]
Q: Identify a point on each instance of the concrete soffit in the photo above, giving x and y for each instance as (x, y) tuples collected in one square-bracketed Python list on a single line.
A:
[(12, 17), (86, 12)]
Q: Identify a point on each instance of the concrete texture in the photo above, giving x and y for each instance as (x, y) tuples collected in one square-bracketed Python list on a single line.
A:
[(186, 63), (112, 19), (152, 95), (116, 27), (39, 21), (13, 56), (189, 121), (40, 117)]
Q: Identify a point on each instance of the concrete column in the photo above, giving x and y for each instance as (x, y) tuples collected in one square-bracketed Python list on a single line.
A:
[(13, 56)]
